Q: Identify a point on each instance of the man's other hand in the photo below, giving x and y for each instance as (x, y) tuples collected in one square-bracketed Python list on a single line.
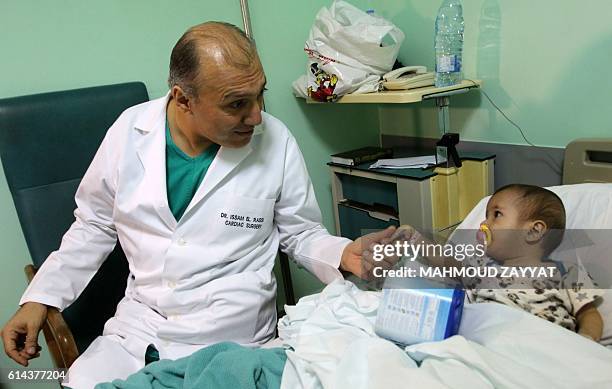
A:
[(20, 334)]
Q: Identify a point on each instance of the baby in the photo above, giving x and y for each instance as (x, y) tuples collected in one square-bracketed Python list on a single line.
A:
[(523, 225)]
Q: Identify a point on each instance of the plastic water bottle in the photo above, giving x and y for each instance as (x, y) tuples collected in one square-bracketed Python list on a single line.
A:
[(449, 43)]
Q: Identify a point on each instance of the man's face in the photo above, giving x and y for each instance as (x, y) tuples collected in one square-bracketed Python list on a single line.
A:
[(229, 104)]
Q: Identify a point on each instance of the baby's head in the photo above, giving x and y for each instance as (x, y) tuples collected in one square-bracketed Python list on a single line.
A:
[(524, 220)]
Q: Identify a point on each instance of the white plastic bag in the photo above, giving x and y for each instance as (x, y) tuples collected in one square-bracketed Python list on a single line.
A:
[(346, 51)]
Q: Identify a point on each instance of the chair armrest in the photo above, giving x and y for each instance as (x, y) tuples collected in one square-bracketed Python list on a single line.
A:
[(60, 341)]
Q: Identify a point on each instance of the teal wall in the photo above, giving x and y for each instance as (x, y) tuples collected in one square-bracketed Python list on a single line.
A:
[(545, 63), (63, 44)]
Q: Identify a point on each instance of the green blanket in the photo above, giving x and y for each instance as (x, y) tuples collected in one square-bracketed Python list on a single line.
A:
[(222, 365)]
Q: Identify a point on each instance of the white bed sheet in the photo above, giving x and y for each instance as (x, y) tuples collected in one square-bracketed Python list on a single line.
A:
[(334, 346)]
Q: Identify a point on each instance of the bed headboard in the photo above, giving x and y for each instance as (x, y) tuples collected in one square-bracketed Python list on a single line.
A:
[(588, 160)]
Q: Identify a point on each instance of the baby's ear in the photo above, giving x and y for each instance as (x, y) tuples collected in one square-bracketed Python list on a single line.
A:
[(536, 231)]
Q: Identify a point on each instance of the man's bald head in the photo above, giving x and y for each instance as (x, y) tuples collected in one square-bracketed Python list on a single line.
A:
[(209, 45)]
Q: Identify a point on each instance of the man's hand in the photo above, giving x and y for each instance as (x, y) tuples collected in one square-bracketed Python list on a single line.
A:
[(357, 256), (20, 334)]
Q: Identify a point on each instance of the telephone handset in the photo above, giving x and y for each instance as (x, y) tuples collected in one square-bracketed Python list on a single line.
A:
[(408, 77), (406, 70)]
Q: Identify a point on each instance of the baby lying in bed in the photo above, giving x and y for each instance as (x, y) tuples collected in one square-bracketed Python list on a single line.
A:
[(523, 225)]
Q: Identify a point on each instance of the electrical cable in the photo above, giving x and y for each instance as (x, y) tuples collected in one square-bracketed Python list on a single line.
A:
[(556, 168)]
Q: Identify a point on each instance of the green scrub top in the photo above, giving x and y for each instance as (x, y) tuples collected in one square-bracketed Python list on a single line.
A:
[(184, 174)]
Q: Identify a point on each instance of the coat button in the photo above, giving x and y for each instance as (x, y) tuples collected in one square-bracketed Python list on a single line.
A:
[(182, 242), (171, 284)]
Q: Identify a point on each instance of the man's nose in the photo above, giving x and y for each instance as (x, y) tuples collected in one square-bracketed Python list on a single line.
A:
[(253, 117)]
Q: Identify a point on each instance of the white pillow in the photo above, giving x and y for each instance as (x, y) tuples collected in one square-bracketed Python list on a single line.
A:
[(588, 206)]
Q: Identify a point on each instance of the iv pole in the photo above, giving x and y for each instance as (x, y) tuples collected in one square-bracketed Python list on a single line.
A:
[(246, 18), (283, 259), (246, 22)]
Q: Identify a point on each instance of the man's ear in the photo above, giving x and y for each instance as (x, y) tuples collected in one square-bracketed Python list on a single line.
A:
[(536, 231), (181, 99)]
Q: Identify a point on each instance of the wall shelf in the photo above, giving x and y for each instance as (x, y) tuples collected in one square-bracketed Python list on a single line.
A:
[(407, 96)]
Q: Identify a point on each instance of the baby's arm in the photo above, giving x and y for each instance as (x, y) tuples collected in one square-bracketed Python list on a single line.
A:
[(590, 322), (410, 234)]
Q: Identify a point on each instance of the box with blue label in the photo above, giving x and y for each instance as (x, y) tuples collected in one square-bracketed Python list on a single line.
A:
[(409, 316)]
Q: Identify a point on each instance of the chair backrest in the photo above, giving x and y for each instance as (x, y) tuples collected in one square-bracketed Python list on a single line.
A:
[(47, 141)]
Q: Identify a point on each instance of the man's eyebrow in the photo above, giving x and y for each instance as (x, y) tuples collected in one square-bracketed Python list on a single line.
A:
[(242, 93)]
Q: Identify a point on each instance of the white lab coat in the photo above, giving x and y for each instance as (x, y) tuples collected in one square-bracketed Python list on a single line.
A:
[(208, 277)]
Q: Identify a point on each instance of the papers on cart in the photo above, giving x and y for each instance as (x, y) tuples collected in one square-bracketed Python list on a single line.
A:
[(405, 163)]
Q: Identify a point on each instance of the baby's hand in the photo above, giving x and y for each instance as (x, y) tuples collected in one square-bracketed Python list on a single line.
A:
[(587, 335), (590, 323), (406, 233)]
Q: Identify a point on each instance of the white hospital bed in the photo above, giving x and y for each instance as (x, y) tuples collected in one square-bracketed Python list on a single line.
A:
[(334, 344), (588, 204)]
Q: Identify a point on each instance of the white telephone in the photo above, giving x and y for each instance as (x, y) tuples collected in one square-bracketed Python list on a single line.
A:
[(408, 77)]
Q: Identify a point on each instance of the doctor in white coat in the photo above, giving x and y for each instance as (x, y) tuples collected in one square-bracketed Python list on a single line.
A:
[(201, 239)]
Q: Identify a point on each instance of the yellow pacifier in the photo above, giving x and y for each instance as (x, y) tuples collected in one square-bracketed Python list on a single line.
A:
[(484, 234)]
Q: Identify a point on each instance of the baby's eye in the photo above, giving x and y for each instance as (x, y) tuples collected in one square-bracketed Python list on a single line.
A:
[(497, 213)]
